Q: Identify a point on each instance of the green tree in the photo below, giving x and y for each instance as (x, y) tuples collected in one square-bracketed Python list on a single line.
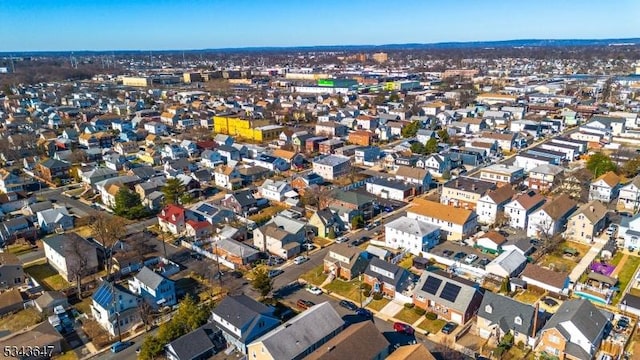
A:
[(444, 136), (394, 97), (431, 146), (331, 234), (505, 286), (172, 190), (261, 281), (186, 198), (417, 148), (357, 222), (411, 130), (631, 168), (151, 348), (128, 204), (600, 163)]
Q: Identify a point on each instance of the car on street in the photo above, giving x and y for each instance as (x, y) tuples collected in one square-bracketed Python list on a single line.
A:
[(348, 305), (449, 327), (470, 258), (364, 313), (304, 304), (300, 259), (275, 272), (314, 290), (388, 209), (403, 328), (342, 239), (120, 345), (308, 246), (459, 255), (447, 253), (484, 262)]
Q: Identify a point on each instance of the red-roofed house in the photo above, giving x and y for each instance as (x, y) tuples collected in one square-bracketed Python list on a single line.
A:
[(198, 229), (172, 219)]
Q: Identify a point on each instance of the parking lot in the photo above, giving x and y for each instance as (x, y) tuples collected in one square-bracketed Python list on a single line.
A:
[(459, 253)]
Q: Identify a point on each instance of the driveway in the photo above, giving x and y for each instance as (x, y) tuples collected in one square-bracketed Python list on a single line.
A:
[(586, 260), (391, 309)]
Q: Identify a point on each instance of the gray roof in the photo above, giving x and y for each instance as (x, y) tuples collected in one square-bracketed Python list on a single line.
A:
[(587, 318), (413, 226), (149, 277), (332, 160), (58, 241), (241, 310), (503, 311), (388, 273), (236, 248), (196, 343), (468, 289), (52, 216), (308, 329), (510, 261)]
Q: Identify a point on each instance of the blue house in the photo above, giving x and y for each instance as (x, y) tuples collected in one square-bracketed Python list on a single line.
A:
[(128, 135), (154, 288), (122, 125), (115, 308)]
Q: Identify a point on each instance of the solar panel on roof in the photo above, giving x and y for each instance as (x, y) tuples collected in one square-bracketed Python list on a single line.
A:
[(431, 285), (450, 292)]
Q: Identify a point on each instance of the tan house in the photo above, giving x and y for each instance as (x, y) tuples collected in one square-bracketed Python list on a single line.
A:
[(464, 192), (587, 222), (328, 223), (345, 262), (411, 352), (455, 223)]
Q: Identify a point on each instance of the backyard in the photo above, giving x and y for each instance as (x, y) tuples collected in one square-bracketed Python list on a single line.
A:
[(46, 276), (408, 315), (347, 289), (558, 260), (377, 305), (20, 320), (432, 326), (407, 262), (624, 276), (527, 297), (315, 276), (266, 214)]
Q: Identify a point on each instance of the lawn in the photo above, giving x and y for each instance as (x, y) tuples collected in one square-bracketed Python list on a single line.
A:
[(84, 306), (46, 276), (616, 258), (583, 249), (407, 262), (557, 261), (377, 305), (266, 214), (18, 249), (625, 275), (347, 289), (20, 320), (84, 231), (527, 297), (315, 276), (322, 242), (432, 326), (408, 316)]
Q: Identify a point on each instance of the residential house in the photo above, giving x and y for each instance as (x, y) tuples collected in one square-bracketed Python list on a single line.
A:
[(543, 177), (69, 253), (629, 196), (227, 177), (327, 222), (241, 202), (630, 231), (332, 167), (115, 162), (157, 290), (587, 222), (349, 204), (605, 188), (508, 264), (575, 331), (201, 343), (545, 279), (281, 236), (499, 315), (211, 158), (16, 228), (172, 219), (518, 210), (464, 192), (300, 336), (53, 170), (155, 128), (491, 241), (271, 162), (345, 262), (551, 217), (630, 303), (49, 300), (414, 175), (235, 251), (362, 137), (363, 339), (436, 164), (302, 183), (124, 148), (331, 129), (493, 203), (386, 278), (392, 189), (115, 308), (449, 296), (411, 235), (411, 352), (222, 139), (502, 174), (10, 182), (11, 271), (454, 223), (42, 336), (211, 213), (367, 156), (243, 320), (275, 190), (55, 219), (97, 174), (11, 301)]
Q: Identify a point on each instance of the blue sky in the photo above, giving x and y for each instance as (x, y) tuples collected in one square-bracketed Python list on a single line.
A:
[(30, 25)]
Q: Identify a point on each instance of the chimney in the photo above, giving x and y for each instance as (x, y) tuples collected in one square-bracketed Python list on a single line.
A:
[(592, 208), (473, 186), (457, 183)]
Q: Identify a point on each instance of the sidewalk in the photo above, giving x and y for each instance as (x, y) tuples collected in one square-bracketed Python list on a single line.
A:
[(586, 260)]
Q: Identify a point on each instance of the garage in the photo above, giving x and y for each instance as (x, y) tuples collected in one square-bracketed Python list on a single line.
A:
[(457, 318)]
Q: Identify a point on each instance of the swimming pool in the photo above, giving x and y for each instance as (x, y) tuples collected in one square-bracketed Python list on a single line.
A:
[(590, 297)]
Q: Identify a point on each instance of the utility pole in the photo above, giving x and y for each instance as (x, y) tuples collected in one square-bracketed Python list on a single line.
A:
[(218, 273), (117, 311)]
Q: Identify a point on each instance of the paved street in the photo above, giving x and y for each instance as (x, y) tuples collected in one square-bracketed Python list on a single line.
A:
[(128, 353)]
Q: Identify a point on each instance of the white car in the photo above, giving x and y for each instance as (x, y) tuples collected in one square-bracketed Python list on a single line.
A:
[(471, 258), (300, 259), (314, 290), (308, 246), (342, 239)]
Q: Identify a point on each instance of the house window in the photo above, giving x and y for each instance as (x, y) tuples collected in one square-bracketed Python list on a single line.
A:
[(488, 309), (554, 339)]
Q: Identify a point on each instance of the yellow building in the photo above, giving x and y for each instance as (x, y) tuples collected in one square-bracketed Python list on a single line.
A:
[(380, 57), (136, 81), (251, 129)]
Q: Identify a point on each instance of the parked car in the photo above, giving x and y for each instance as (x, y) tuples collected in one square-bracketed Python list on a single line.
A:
[(403, 328), (447, 253), (623, 322), (308, 246), (470, 258), (275, 272), (364, 313), (120, 345), (300, 259), (449, 327), (484, 262), (459, 255), (348, 305), (314, 290), (342, 239), (304, 304)]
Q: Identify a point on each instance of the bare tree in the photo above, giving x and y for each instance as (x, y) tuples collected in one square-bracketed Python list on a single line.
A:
[(77, 262), (146, 313), (107, 230), (548, 240)]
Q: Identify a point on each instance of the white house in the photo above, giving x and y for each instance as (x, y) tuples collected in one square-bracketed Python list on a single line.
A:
[(517, 211), (629, 196), (274, 190), (50, 220), (227, 177), (63, 253), (605, 188), (418, 176), (436, 164), (508, 264), (630, 231), (390, 189), (155, 128), (493, 202), (331, 167), (455, 223), (551, 217), (411, 234)]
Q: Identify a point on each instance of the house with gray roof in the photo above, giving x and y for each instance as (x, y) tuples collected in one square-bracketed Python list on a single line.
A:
[(95, 175), (575, 331), (51, 220), (63, 253), (11, 271), (243, 320), (299, 336), (508, 264), (386, 277), (451, 297), (154, 288), (499, 315), (201, 343)]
